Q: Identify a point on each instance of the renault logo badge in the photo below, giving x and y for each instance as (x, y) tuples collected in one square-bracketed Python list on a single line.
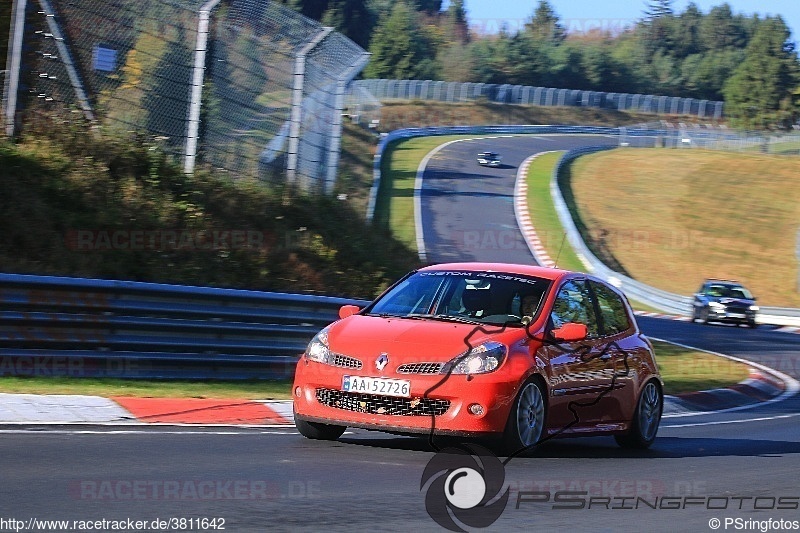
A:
[(382, 361)]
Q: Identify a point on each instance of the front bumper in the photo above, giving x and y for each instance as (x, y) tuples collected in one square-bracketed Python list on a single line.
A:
[(731, 315), (438, 403)]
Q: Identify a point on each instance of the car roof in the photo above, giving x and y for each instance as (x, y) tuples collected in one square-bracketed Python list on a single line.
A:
[(508, 268)]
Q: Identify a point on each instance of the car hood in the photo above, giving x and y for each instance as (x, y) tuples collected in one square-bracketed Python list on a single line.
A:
[(410, 339), (733, 301)]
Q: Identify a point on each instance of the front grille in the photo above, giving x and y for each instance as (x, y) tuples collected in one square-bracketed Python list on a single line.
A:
[(420, 368), (381, 405), (737, 309), (344, 361)]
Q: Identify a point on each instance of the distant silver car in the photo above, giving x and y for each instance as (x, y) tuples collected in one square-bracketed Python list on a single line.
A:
[(489, 159), (724, 301)]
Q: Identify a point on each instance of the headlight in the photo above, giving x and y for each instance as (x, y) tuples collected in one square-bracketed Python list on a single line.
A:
[(317, 349), (754, 308), (483, 358), (716, 305)]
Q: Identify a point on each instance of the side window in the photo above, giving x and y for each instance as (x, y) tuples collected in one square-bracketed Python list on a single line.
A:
[(574, 304), (612, 309)]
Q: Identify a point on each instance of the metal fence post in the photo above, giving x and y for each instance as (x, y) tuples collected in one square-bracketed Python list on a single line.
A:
[(197, 85), (336, 127), (13, 64), (297, 104), (66, 58)]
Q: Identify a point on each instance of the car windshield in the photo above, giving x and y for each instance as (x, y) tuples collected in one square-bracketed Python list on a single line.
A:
[(472, 297), (729, 291)]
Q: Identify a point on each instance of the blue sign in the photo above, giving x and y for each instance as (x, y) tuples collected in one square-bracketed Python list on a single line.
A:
[(105, 59)]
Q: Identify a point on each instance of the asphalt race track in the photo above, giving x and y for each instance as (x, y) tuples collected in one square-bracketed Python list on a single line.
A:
[(468, 210), (732, 465)]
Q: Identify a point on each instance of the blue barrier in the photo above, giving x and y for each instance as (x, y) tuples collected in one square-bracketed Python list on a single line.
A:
[(106, 328)]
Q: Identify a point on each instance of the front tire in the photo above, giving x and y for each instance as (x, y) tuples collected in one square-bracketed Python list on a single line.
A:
[(646, 419), (525, 426), (318, 431)]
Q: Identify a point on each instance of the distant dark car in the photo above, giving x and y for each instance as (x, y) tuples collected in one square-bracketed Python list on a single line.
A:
[(724, 301), (489, 159)]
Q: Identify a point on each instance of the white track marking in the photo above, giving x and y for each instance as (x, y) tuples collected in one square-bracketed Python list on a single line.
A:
[(791, 384), (739, 421)]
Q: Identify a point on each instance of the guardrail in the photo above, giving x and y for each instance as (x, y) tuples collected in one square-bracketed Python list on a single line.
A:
[(103, 328)]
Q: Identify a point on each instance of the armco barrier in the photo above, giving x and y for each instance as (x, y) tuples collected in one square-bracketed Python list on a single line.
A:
[(102, 328)]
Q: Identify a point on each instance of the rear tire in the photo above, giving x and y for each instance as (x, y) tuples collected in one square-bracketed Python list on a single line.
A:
[(646, 419), (318, 431), (525, 426)]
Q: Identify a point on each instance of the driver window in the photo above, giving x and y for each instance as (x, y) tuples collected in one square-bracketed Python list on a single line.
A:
[(574, 304)]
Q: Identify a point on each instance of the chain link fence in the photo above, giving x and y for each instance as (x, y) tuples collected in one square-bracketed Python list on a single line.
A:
[(245, 86), (442, 91)]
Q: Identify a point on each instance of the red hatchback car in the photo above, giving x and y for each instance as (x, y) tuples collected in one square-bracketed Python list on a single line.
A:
[(479, 350)]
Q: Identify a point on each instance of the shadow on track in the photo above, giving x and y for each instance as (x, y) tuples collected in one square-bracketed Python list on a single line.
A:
[(605, 447)]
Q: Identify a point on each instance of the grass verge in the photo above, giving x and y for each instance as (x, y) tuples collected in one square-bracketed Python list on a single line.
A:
[(108, 387), (687, 370), (543, 213), (394, 206), (53, 190), (671, 218), (684, 370)]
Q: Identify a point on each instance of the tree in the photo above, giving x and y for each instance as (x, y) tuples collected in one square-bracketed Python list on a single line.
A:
[(704, 75), (350, 17), (456, 20), (490, 57), (400, 50), (657, 9), (428, 6), (686, 32), (760, 91), (657, 26), (720, 30), (545, 25)]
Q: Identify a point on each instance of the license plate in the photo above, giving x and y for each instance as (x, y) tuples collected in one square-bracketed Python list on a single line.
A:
[(736, 315), (383, 386)]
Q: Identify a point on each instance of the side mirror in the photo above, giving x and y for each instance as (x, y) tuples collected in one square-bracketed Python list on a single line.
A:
[(347, 310), (570, 332)]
